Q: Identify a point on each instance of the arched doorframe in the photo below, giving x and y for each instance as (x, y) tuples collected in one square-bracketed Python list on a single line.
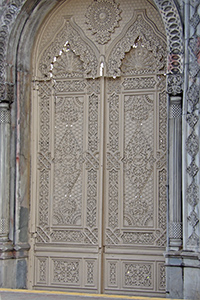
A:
[(21, 21)]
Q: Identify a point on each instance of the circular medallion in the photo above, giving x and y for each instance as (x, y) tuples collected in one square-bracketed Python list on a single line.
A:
[(102, 18)]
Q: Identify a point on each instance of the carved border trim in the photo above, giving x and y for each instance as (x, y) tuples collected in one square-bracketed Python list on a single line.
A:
[(10, 12), (192, 118), (174, 31)]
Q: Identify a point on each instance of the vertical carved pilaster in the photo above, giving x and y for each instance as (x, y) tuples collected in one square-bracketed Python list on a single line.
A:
[(192, 143), (4, 170), (175, 142)]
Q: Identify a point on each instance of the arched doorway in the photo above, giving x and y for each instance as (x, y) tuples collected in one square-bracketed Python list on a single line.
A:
[(99, 131)]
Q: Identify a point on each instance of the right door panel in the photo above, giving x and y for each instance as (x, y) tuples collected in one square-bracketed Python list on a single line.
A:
[(135, 185)]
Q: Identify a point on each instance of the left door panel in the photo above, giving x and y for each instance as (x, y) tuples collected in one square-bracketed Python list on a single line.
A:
[(68, 203)]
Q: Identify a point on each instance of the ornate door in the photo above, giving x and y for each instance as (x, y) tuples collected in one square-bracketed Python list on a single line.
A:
[(99, 155)]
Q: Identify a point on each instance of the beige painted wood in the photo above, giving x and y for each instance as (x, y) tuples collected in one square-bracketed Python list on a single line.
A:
[(99, 132)]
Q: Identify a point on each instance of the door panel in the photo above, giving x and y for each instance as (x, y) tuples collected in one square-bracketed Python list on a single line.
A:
[(135, 209), (69, 206)]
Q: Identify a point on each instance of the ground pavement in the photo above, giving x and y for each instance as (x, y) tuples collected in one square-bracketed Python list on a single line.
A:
[(8, 294)]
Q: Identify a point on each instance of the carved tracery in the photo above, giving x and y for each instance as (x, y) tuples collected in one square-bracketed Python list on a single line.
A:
[(70, 38), (102, 17), (139, 39)]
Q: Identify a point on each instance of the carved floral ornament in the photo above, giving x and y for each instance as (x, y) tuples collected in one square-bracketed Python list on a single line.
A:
[(103, 17), (70, 45), (141, 41)]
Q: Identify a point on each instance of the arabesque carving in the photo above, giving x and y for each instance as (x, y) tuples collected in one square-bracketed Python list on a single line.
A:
[(44, 154), (67, 64), (113, 159), (102, 17), (42, 269), (66, 271), (140, 38), (92, 161), (162, 276), (69, 86), (172, 20), (9, 12), (138, 161), (72, 36), (138, 275), (139, 83), (68, 160), (112, 273), (192, 141), (141, 60)]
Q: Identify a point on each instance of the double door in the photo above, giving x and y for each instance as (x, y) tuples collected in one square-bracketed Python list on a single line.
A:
[(101, 187), (99, 176)]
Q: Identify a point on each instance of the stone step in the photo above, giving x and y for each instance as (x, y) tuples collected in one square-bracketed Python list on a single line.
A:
[(10, 294)]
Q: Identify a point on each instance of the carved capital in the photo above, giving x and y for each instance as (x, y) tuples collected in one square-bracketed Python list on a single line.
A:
[(175, 230), (4, 113), (175, 84), (6, 92), (175, 110)]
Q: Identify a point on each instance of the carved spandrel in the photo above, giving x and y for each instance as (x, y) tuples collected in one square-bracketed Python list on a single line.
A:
[(76, 40), (142, 41), (67, 64), (141, 59)]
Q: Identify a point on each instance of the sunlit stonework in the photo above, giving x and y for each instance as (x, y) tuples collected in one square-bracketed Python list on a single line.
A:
[(103, 17)]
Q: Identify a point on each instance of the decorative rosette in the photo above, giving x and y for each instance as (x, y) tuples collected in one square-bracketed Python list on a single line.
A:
[(103, 17)]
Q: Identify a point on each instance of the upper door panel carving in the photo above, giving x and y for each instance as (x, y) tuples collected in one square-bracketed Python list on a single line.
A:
[(92, 30)]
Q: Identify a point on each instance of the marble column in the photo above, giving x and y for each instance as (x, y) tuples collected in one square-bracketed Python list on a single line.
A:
[(175, 173), (174, 269), (5, 245)]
